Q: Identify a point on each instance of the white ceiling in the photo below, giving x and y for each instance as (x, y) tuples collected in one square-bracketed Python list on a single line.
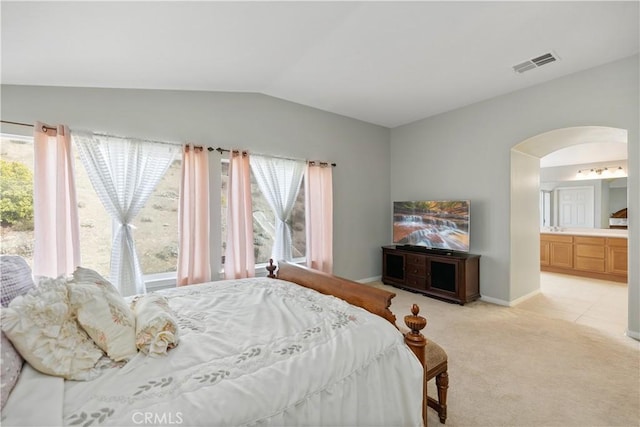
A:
[(586, 153), (388, 63)]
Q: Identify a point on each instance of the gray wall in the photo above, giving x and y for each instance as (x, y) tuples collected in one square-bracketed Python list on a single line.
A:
[(465, 154), (259, 123)]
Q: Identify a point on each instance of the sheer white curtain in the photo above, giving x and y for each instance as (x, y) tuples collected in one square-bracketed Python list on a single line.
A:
[(279, 180), (57, 230), (124, 172)]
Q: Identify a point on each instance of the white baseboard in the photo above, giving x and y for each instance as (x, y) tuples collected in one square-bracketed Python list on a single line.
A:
[(370, 279), (633, 334), (494, 301), (524, 298), (509, 303)]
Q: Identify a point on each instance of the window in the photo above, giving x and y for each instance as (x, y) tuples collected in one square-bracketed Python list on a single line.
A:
[(95, 223), (156, 226), (156, 232), (16, 197), (264, 221)]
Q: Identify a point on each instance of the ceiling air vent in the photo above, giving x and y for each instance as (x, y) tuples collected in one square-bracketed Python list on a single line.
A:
[(535, 62)]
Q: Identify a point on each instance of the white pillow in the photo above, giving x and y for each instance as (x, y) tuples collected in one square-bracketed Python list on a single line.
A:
[(156, 324), (103, 313), (43, 329), (16, 279)]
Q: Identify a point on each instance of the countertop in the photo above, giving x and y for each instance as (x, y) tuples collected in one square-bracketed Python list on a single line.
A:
[(599, 232)]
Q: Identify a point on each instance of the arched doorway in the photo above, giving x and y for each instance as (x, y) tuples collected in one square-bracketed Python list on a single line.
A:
[(524, 201)]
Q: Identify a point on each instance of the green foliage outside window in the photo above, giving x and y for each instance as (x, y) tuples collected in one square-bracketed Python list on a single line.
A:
[(16, 195)]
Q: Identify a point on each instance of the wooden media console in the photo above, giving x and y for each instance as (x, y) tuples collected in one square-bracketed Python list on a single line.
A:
[(448, 275)]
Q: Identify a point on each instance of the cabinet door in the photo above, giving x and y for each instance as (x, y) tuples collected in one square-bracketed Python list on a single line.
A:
[(561, 254), (544, 253), (393, 267), (617, 260), (443, 275)]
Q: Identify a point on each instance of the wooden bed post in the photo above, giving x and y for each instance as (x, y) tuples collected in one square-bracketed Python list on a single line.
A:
[(417, 343), (271, 268)]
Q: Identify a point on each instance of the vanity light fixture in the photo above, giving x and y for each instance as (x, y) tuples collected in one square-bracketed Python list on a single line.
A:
[(601, 172)]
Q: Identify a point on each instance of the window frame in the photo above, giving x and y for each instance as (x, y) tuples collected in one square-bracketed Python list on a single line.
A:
[(152, 281), (260, 269)]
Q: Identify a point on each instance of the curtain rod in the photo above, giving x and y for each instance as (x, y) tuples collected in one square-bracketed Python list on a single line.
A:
[(219, 149), (44, 127), (155, 141), (311, 162)]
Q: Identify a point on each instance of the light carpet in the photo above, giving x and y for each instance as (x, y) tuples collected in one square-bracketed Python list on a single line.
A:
[(511, 367)]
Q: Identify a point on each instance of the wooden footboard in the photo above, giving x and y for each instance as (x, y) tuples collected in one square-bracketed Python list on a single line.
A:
[(374, 300)]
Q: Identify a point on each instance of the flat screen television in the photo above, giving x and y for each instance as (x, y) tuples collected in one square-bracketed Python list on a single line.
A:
[(432, 224)]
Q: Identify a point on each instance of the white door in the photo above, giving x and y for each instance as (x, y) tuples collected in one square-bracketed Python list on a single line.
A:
[(576, 207)]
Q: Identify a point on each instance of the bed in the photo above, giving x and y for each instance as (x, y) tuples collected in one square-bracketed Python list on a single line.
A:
[(299, 348)]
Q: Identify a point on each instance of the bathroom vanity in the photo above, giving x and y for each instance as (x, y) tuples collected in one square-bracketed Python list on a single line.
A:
[(595, 253)]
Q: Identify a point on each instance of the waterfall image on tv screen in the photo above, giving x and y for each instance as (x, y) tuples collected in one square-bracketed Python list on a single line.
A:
[(433, 224)]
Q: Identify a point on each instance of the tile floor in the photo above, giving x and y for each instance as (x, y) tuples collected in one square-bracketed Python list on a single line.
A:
[(600, 304)]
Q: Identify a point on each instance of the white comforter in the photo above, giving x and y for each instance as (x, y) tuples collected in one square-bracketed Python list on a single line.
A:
[(254, 352)]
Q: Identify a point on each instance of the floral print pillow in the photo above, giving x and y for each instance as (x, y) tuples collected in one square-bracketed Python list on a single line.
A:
[(103, 314), (156, 324)]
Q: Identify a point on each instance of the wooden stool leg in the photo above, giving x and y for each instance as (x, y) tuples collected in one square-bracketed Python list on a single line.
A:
[(442, 382)]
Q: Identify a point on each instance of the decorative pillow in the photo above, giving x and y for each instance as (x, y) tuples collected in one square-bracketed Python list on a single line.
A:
[(16, 278), (43, 329), (156, 324), (103, 314), (10, 366)]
